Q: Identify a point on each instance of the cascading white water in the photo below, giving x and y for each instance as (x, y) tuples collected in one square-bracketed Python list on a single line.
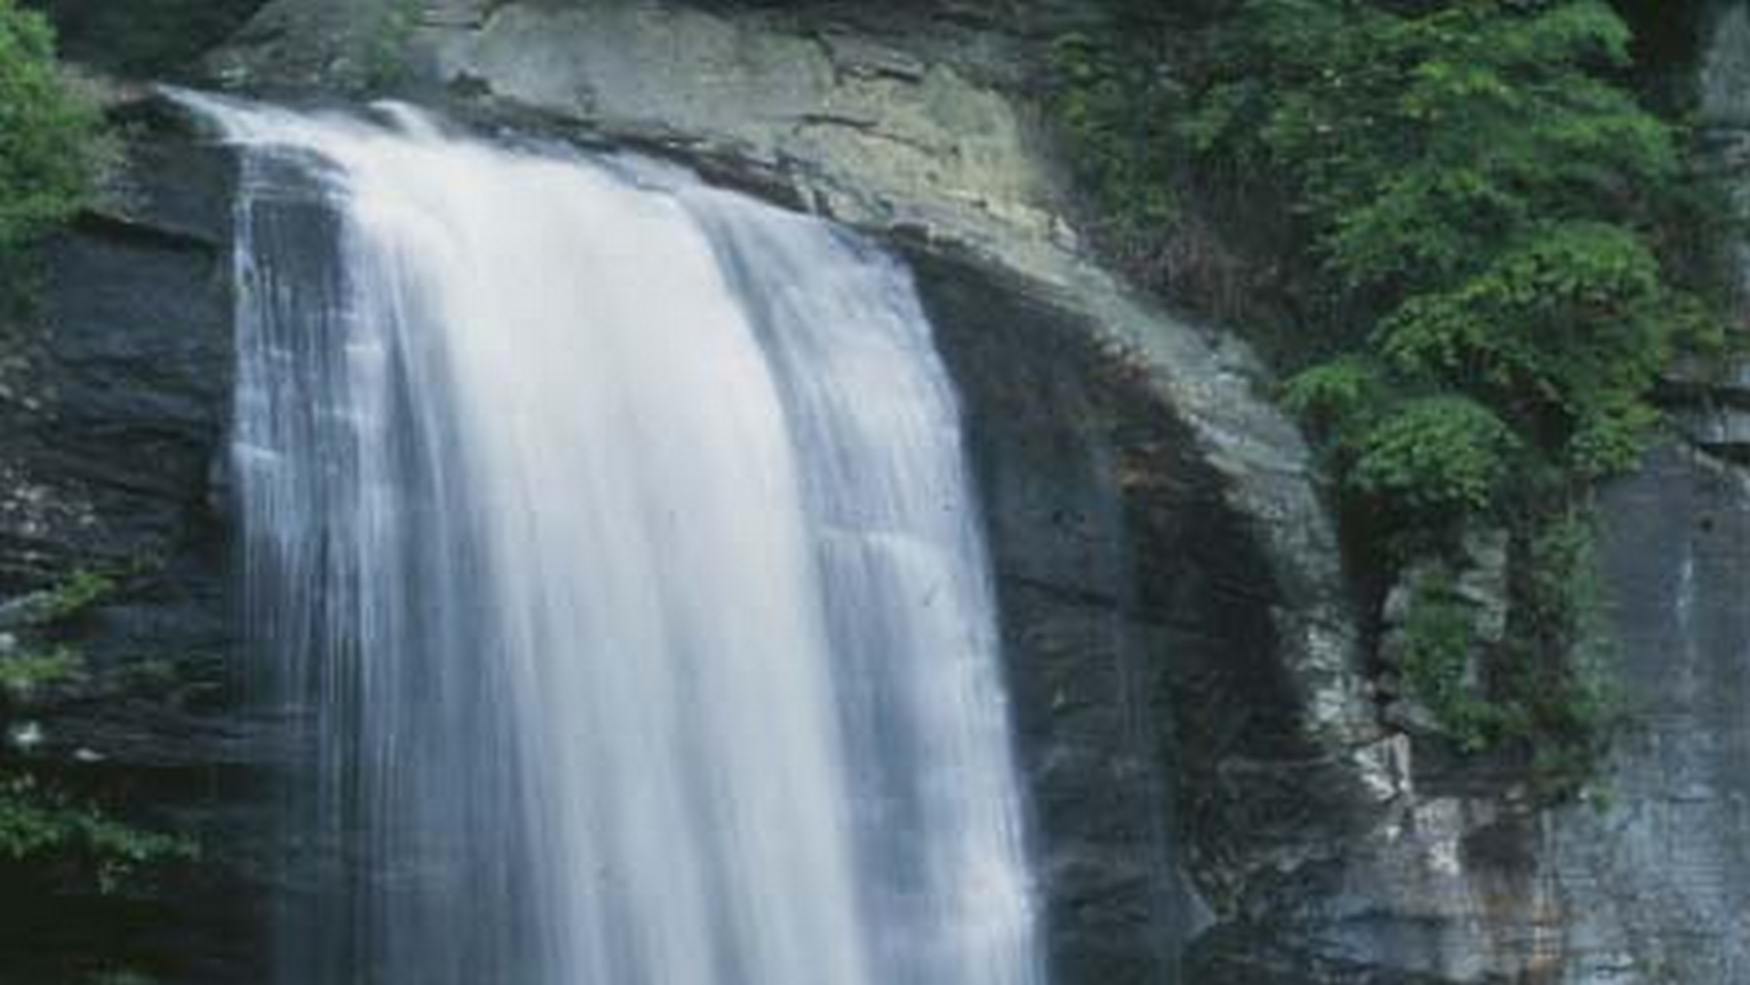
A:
[(614, 540)]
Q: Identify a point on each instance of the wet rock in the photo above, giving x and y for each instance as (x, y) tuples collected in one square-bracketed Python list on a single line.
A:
[(103, 467), (1178, 628)]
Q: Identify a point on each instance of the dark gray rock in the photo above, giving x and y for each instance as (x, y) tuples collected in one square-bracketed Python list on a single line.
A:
[(114, 394), (1658, 882), (1181, 647), (1191, 717), (1163, 735), (142, 36), (946, 156), (1165, 572), (1208, 771)]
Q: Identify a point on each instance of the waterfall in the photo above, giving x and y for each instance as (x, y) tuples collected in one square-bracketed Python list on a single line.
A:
[(611, 541)]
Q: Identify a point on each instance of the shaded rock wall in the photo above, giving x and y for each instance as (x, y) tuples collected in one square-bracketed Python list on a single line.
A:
[(1178, 633), (1206, 767), (1463, 876), (1658, 881), (142, 36), (114, 393), (910, 123), (1153, 615)]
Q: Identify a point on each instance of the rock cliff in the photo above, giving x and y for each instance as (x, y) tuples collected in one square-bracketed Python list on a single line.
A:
[(1177, 625), (114, 396), (1216, 798)]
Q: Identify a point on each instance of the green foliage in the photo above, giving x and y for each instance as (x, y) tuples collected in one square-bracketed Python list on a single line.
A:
[(67, 599), (80, 591), (24, 673), (1561, 652), (1433, 453), (42, 826), (1547, 682), (48, 133), (1486, 198), (1565, 331), (1492, 250), (385, 44), (45, 833), (1340, 389), (1422, 143), (1439, 636), (1120, 154)]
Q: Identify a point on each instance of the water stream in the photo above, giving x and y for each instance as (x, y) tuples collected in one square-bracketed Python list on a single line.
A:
[(612, 546)]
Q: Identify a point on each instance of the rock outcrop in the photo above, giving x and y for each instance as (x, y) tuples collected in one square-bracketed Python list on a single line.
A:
[(1218, 798), (1466, 876), (1179, 640), (115, 384)]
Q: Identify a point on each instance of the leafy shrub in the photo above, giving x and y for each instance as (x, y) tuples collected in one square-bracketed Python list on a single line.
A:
[(23, 673), (385, 42), (48, 133), (1439, 636), (1561, 650), (65, 600), (43, 826), (1492, 250), (1476, 187), (79, 591), (1435, 453), (46, 835), (1121, 154)]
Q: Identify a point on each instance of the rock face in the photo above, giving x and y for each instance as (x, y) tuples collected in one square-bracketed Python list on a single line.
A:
[(1143, 631), (1178, 636), (1462, 877), (1678, 558), (905, 122), (114, 392), (1216, 799)]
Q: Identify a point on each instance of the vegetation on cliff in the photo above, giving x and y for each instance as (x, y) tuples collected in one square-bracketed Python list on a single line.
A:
[(148, 38), (45, 832), (51, 142), (48, 131), (1480, 250), (48, 836)]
